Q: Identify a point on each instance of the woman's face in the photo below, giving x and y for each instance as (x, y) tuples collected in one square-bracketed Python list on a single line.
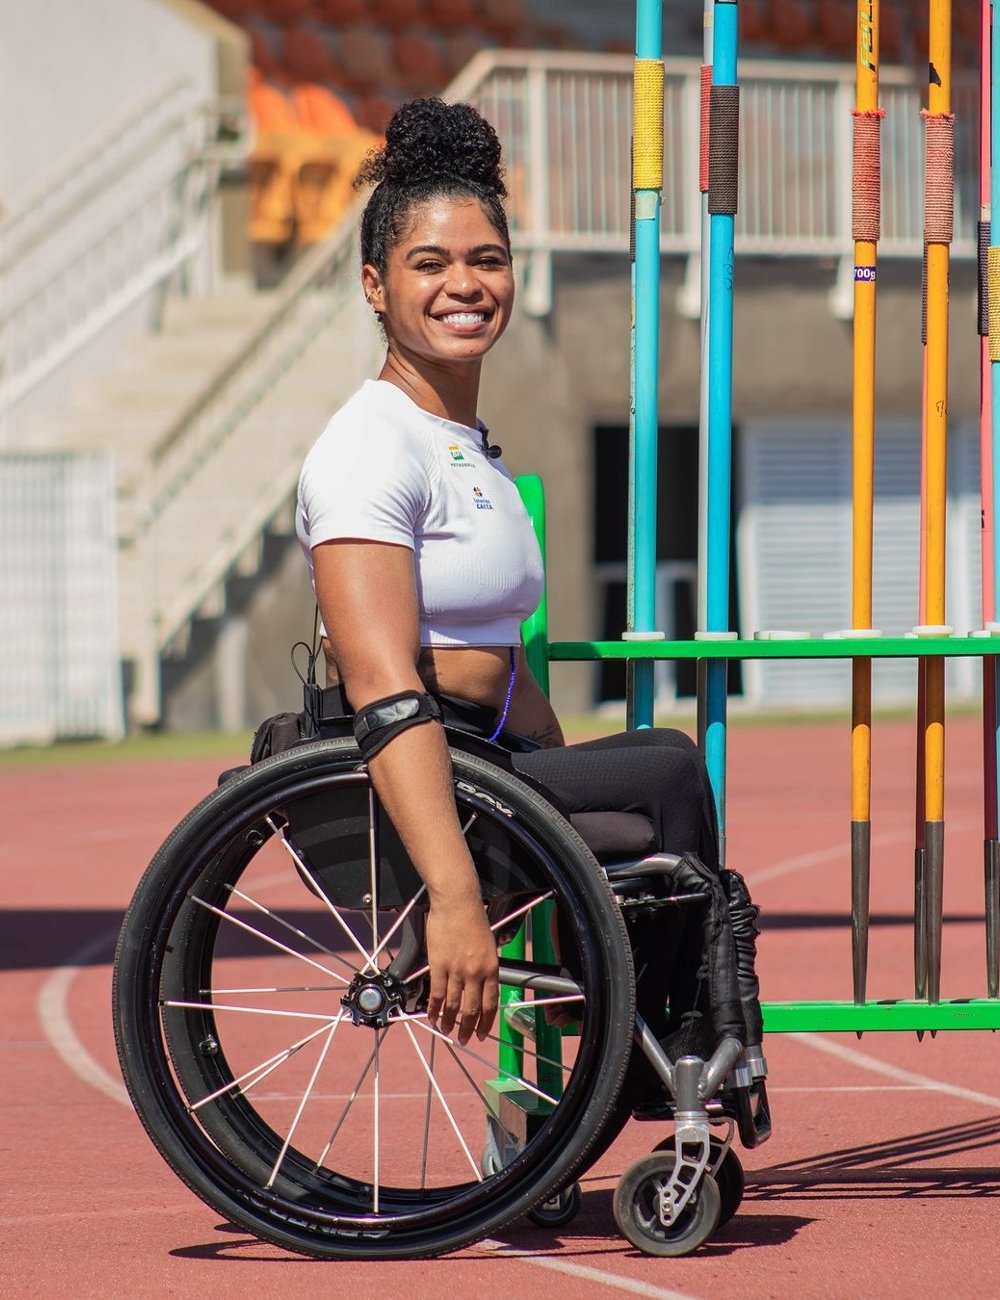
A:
[(448, 288)]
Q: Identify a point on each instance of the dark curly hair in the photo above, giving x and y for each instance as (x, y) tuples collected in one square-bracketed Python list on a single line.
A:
[(431, 149)]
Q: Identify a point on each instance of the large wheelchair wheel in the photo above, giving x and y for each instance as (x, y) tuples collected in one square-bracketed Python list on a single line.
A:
[(269, 1007)]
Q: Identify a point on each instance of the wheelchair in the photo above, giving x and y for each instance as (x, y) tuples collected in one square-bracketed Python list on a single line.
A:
[(270, 989)]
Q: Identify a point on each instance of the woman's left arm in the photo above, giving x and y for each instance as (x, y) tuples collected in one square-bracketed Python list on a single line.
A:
[(530, 712)]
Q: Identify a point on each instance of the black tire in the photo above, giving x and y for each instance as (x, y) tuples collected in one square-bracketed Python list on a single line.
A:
[(728, 1176), (194, 946), (635, 1209), (558, 1210)]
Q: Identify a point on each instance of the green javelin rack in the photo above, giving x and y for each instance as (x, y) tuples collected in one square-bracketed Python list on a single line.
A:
[(639, 648), (781, 1017)]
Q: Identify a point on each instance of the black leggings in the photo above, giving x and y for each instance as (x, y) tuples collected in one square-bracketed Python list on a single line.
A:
[(655, 771)]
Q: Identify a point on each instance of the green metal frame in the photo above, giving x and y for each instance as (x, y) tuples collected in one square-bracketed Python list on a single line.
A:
[(780, 1017)]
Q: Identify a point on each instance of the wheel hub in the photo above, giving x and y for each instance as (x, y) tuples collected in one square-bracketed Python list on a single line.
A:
[(371, 1000)]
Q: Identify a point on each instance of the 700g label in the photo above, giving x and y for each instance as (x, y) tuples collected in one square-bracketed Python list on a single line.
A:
[(866, 274)]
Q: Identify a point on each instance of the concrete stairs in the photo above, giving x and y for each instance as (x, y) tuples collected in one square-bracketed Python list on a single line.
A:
[(209, 421)]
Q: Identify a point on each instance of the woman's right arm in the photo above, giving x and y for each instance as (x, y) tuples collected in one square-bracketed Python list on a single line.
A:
[(367, 598)]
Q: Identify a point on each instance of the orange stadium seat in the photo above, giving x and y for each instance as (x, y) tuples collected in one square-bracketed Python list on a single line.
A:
[(754, 20), (266, 47), (284, 11), (323, 185), (422, 69), (374, 111), (238, 11), (320, 111)]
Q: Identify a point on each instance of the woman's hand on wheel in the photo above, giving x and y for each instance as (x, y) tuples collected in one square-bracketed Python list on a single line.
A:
[(464, 968)]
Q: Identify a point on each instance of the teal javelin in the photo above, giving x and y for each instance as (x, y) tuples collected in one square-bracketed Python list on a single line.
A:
[(720, 416), (643, 414)]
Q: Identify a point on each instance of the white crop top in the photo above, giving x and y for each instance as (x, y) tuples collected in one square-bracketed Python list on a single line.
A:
[(385, 470)]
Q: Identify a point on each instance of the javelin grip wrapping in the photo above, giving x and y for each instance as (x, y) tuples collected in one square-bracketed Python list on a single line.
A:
[(993, 299), (939, 181), (647, 127), (705, 122), (983, 231), (723, 150), (866, 190)]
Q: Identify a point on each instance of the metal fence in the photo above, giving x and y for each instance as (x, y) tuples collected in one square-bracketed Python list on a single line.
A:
[(60, 671)]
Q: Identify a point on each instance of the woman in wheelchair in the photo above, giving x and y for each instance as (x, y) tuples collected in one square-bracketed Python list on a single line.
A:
[(424, 560), (308, 978)]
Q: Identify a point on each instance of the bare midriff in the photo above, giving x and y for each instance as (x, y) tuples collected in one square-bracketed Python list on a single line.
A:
[(479, 674)]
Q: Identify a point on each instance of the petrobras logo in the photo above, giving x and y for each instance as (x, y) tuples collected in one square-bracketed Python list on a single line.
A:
[(458, 461), (481, 499), (865, 274)]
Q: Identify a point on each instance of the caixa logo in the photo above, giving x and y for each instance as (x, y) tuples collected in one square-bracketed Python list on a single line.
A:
[(866, 274)]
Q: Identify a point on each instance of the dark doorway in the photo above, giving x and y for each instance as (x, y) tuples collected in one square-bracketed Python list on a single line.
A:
[(676, 547)]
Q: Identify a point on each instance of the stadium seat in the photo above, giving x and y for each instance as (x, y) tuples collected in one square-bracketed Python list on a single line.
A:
[(754, 20), (374, 112), (266, 47), (398, 14), (307, 57), (320, 111), (792, 23), (284, 11), (451, 14), (366, 59), (837, 20), (421, 68), (323, 184), (505, 17), (342, 11), (463, 45), (238, 11)]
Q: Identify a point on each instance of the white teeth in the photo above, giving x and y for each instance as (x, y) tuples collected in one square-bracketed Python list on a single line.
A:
[(464, 318)]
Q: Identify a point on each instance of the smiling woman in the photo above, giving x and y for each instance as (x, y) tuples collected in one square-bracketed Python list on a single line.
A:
[(425, 563)]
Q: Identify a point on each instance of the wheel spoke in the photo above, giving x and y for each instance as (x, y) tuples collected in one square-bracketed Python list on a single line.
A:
[(421, 1023), (293, 929), (266, 938), (334, 912), (399, 921), (427, 1123), (277, 988), (375, 1126), (176, 1005), (441, 1098), (305, 1098), (261, 1071), (347, 1106), (373, 854)]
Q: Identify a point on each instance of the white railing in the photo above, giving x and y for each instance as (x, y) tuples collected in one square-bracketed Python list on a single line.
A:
[(117, 222), (566, 122)]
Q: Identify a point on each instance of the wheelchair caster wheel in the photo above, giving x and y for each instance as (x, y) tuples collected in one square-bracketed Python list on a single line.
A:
[(636, 1209), (558, 1210), (728, 1176)]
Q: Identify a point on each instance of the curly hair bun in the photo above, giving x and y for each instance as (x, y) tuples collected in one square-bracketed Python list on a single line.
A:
[(428, 140)]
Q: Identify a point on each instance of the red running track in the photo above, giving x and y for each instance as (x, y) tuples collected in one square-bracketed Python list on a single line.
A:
[(881, 1179)]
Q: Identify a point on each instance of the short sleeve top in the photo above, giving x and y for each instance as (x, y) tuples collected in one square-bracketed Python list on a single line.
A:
[(384, 470)]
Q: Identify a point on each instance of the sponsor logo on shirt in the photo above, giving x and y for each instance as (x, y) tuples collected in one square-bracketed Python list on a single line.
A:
[(458, 461), (482, 501)]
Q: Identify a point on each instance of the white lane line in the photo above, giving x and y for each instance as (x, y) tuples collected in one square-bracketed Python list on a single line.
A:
[(817, 858), (632, 1285), (54, 1017), (865, 1062)]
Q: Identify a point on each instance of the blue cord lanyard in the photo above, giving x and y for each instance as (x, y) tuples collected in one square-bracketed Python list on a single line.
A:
[(510, 692)]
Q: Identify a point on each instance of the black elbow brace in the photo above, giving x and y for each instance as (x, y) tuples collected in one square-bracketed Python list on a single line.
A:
[(383, 720)]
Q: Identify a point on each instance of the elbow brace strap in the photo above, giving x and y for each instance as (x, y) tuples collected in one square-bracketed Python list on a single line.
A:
[(383, 720)]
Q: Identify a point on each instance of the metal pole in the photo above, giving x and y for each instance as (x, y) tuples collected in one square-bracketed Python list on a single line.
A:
[(647, 188), (722, 212), (866, 233)]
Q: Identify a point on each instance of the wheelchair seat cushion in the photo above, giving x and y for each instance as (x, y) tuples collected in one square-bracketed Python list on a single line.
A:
[(613, 835)]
